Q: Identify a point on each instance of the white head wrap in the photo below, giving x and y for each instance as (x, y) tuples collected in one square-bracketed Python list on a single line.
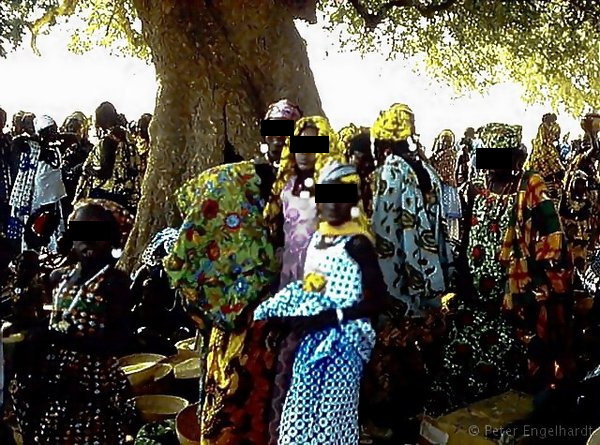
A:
[(43, 122)]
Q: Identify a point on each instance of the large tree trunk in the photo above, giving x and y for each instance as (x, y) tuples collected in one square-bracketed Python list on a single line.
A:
[(213, 59)]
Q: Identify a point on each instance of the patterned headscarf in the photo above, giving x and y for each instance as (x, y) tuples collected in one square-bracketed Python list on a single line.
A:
[(545, 158), (43, 122), (122, 217), (496, 135), (161, 244), (346, 174), (288, 161), (444, 157), (349, 132), (395, 124), (284, 109)]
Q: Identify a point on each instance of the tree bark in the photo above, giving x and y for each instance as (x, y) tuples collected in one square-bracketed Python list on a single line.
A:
[(212, 58)]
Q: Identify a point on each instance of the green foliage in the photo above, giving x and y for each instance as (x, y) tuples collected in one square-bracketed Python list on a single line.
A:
[(14, 15), (549, 46), (109, 23)]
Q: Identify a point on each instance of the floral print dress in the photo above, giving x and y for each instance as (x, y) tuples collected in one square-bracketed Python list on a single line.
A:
[(223, 264), (300, 222), (483, 357)]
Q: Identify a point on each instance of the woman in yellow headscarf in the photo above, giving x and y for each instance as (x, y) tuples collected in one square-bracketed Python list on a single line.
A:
[(292, 212), (414, 257), (357, 145), (545, 157)]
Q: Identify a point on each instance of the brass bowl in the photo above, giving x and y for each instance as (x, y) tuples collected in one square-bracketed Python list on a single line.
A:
[(188, 369), (185, 348), (140, 368), (159, 380), (156, 408), (187, 426), (594, 439)]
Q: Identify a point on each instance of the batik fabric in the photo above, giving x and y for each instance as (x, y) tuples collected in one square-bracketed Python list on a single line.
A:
[(411, 238)]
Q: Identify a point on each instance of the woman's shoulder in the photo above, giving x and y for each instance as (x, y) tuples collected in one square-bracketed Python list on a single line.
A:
[(359, 246)]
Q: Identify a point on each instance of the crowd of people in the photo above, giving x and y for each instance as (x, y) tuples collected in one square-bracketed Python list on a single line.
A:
[(440, 283)]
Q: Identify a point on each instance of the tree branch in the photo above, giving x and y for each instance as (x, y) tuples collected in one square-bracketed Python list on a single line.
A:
[(373, 19)]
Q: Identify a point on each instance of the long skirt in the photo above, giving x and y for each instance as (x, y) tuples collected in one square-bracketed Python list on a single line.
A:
[(481, 358), (237, 387), (88, 400), (321, 406)]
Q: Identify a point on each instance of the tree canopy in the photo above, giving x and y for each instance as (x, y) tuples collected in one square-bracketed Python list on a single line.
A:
[(548, 46)]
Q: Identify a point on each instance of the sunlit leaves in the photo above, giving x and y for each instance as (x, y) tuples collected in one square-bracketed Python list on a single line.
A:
[(14, 20), (549, 46)]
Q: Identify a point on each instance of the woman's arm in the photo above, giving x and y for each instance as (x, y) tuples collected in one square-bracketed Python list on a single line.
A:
[(374, 292), (374, 298)]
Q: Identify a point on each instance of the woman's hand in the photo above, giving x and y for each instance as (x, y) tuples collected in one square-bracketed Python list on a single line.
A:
[(302, 325)]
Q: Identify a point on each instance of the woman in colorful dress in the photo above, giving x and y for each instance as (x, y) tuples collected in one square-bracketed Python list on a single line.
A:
[(444, 161), (113, 170), (329, 308), (293, 195), (580, 206), (415, 258), (294, 191), (545, 157), (224, 265), (86, 399), (513, 309)]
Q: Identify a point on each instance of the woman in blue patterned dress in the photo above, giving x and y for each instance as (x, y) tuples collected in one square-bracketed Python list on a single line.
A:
[(330, 308)]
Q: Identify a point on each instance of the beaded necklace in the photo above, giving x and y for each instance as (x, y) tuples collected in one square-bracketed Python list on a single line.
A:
[(87, 288)]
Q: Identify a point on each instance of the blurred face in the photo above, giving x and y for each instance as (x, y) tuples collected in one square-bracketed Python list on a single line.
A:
[(73, 126), (91, 251), (336, 213), (447, 141), (49, 133), (2, 119), (275, 144), (306, 161)]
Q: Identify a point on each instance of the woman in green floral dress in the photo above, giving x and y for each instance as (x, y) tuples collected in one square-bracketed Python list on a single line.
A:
[(510, 328), (224, 265)]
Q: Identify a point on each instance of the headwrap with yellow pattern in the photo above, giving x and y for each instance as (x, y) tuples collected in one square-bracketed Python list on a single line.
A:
[(395, 124), (544, 157), (287, 166), (497, 135), (349, 132)]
